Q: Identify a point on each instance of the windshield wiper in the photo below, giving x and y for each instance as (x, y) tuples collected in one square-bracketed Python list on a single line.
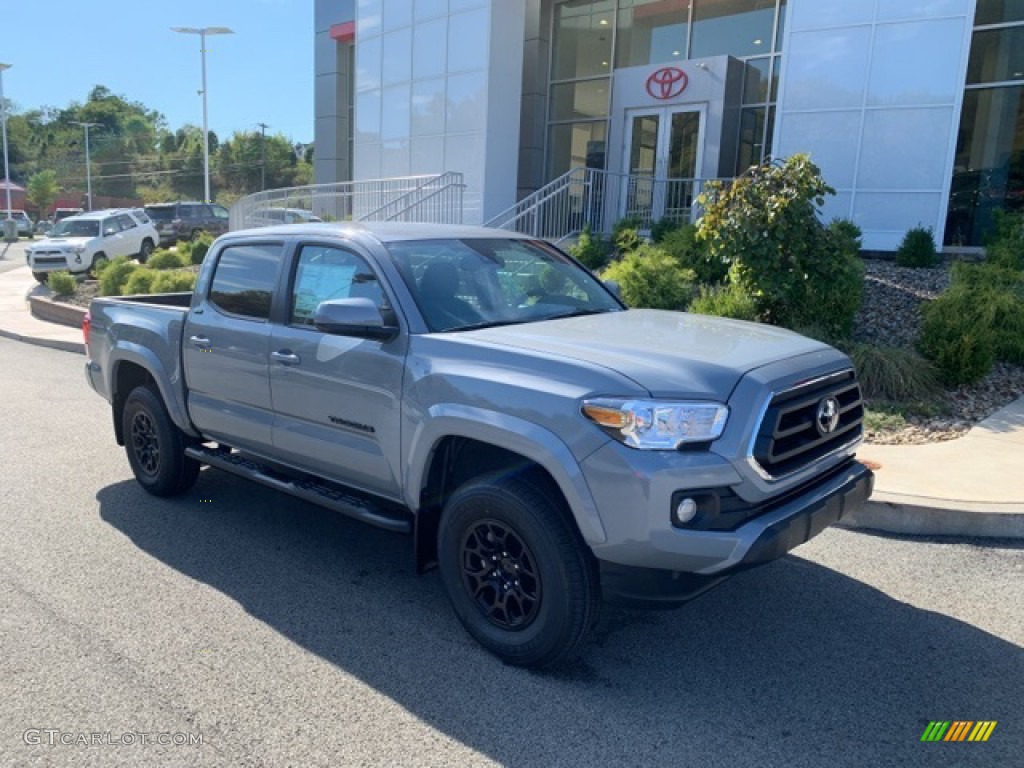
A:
[(489, 324), (579, 313)]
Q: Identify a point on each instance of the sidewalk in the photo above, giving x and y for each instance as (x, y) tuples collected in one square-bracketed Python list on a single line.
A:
[(973, 486)]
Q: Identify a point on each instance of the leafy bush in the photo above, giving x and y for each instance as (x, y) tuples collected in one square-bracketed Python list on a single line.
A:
[(627, 240), (987, 275), (199, 247), (97, 267), (847, 235), (650, 278), (174, 282), (682, 243), (590, 250), (115, 275), (954, 337), (164, 259), (917, 249), (724, 301), (61, 283), (1003, 312), (765, 226), (140, 281), (664, 226), (894, 374), (1005, 246)]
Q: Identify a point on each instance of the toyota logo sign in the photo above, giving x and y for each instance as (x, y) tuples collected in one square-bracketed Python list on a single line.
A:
[(667, 83)]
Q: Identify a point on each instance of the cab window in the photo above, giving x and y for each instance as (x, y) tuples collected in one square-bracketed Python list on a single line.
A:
[(324, 273), (243, 283)]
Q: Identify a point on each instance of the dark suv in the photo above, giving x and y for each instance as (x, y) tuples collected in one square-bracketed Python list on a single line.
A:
[(186, 220)]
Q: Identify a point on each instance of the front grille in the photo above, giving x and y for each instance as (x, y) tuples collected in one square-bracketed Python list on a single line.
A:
[(49, 261), (790, 437)]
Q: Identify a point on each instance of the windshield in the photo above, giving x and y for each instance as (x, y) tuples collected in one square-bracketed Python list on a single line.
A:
[(161, 214), (76, 228), (474, 283)]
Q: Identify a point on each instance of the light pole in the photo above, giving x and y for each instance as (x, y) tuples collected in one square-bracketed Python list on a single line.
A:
[(263, 155), (203, 32), (88, 165), (3, 120)]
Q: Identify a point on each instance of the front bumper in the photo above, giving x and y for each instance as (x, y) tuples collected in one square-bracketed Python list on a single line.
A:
[(768, 537)]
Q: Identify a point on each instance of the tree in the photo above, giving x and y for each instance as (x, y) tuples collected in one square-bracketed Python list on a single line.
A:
[(43, 190)]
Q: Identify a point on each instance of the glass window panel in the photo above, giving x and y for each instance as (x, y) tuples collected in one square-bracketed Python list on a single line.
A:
[(576, 145), (755, 81), (733, 27), (988, 173), (244, 280), (651, 32), (573, 101), (643, 145), (996, 55), (781, 26), (324, 274), (583, 39), (751, 149), (998, 11), (683, 145)]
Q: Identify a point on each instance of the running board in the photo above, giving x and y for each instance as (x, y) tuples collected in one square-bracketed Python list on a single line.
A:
[(321, 492)]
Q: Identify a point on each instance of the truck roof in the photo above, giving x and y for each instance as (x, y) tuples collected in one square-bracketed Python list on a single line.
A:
[(383, 231)]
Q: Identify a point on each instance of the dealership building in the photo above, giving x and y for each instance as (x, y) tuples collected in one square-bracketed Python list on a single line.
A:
[(911, 108)]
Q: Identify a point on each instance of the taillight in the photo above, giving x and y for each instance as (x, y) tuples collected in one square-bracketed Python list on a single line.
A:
[(86, 327)]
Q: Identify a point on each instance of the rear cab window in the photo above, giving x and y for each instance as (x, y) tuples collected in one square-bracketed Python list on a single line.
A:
[(244, 280)]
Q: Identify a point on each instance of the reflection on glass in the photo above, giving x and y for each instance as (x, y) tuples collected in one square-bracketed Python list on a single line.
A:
[(684, 135), (651, 32), (574, 101), (755, 81), (988, 173), (576, 145), (781, 26), (583, 39), (998, 11), (737, 27), (752, 149), (997, 55)]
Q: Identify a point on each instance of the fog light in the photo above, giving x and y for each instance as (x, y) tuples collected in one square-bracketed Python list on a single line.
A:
[(686, 511)]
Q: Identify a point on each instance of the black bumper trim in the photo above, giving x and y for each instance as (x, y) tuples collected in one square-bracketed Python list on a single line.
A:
[(650, 587)]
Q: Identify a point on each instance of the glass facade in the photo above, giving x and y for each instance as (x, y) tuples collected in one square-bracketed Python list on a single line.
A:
[(988, 169), (591, 37)]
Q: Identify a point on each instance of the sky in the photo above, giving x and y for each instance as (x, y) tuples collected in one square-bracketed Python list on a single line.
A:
[(59, 49)]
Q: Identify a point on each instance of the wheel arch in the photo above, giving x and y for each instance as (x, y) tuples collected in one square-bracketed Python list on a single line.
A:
[(137, 367)]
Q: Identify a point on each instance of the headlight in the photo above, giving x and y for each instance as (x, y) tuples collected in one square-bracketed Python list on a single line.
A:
[(655, 425), (79, 249)]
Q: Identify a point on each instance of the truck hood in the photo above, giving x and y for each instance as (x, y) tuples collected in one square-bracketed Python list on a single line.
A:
[(670, 354)]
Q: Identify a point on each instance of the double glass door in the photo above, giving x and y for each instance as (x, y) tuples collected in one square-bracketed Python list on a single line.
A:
[(663, 148)]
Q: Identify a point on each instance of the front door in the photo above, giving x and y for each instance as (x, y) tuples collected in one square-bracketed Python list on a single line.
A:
[(663, 153)]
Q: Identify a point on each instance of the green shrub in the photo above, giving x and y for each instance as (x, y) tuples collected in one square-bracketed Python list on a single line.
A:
[(664, 226), (765, 226), (115, 275), (140, 281), (724, 301), (682, 243), (97, 267), (174, 282), (590, 250), (955, 337), (1003, 312), (987, 275), (627, 240), (199, 247), (650, 278), (894, 374), (61, 283), (184, 249), (846, 234), (1005, 246), (917, 249), (164, 259)]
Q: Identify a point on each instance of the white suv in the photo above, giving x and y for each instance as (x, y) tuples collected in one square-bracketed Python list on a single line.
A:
[(75, 243)]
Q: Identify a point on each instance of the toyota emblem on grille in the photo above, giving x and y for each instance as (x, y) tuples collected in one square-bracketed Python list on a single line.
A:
[(667, 83), (827, 418)]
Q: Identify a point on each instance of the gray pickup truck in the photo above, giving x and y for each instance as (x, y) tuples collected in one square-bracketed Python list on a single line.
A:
[(545, 446)]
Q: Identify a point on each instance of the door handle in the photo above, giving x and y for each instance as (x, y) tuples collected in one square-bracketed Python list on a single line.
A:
[(200, 341), (286, 358)]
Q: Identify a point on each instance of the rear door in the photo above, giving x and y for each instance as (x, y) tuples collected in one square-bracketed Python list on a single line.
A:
[(131, 232), (114, 243), (337, 398), (227, 345)]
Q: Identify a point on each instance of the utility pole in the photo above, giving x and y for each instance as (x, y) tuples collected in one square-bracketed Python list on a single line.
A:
[(88, 165), (263, 155), (3, 119)]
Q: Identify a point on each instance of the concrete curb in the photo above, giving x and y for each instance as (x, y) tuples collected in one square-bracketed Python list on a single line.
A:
[(64, 346), (45, 308), (914, 520)]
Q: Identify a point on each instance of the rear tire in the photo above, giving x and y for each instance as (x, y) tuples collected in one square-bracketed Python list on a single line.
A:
[(155, 446), (518, 575)]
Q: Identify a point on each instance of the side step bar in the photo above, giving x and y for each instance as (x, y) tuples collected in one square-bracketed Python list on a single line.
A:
[(320, 492)]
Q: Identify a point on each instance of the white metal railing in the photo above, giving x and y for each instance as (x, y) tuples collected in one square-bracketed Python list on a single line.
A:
[(435, 199), (596, 198)]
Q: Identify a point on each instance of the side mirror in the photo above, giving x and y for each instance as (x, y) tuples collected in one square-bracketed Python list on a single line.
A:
[(615, 288), (353, 317)]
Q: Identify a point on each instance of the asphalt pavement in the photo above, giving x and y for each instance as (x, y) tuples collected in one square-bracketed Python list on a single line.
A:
[(284, 635)]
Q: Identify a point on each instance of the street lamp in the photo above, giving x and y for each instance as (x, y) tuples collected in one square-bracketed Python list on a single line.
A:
[(203, 32), (3, 120), (88, 165)]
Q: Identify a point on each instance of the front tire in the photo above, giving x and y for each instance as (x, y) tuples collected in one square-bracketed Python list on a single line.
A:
[(517, 573), (145, 251), (155, 446), (41, 277)]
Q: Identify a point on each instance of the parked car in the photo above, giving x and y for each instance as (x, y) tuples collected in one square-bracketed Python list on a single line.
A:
[(543, 445), (75, 243), (187, 220), (59, 214), (268, 217), (25, 226)]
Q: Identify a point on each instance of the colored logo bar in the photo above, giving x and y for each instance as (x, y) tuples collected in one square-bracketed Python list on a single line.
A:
[(958, 730)]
